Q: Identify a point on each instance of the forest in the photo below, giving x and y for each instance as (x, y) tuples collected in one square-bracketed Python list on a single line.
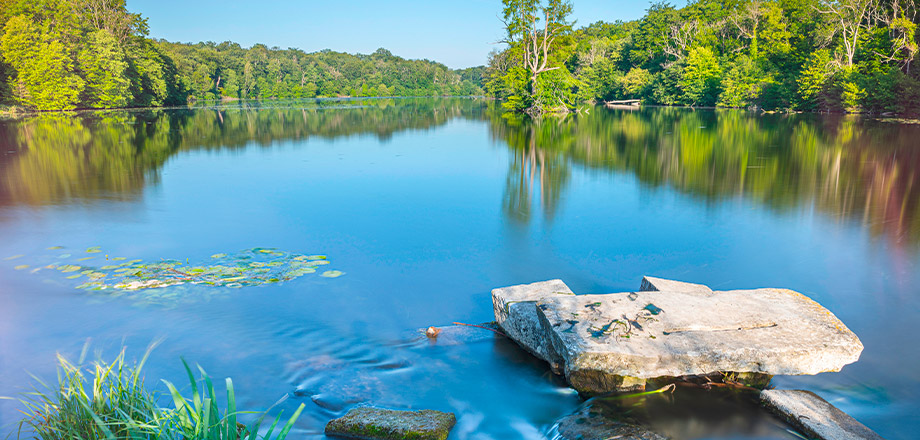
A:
[(801, 55), (78, 54)]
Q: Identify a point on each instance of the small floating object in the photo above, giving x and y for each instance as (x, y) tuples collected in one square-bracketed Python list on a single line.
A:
[(432, 332)]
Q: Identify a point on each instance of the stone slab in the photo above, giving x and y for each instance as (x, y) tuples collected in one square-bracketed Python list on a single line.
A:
[(386, 424), (652, 284), (611, 342), (516, 314), (815, 416)]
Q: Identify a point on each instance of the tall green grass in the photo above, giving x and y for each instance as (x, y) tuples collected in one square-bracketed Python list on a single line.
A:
[(109, 401)]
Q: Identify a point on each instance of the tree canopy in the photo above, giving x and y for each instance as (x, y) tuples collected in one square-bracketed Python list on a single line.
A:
[(67, 54), (812, 55)]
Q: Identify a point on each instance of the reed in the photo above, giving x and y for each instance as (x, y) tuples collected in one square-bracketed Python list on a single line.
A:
[(110, 401)]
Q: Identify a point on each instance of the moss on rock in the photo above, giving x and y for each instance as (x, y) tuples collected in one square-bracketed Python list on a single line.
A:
[(387, 424)]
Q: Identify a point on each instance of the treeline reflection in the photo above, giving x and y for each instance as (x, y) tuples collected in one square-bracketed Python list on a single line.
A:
[(114, 155), (847, 167)]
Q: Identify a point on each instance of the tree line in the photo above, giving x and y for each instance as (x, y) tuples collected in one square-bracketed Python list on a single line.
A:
[(807, 55), (69, 54)]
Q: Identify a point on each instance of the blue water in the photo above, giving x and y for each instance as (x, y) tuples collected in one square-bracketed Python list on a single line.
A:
[(427, 205)]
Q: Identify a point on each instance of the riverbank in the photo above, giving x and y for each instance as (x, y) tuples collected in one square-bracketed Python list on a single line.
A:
[(18, 112)]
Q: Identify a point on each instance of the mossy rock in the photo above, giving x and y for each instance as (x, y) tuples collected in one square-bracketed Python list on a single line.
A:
[(387, 424)]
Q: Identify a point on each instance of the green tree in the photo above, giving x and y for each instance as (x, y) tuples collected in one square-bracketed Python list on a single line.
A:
[(45, 72), (701, 75), (813, 78), (103, 66)]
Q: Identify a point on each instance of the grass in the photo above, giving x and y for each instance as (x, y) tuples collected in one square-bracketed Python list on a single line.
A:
[(109, 401)]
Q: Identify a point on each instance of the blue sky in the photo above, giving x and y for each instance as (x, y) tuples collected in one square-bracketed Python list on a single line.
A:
[(458, 33)]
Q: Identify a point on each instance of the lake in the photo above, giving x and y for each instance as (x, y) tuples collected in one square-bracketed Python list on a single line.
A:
[(422, 206)]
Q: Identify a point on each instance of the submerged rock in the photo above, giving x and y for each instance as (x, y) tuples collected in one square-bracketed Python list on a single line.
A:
[(589, 423), (516, 314), (387, 424), (616, 342), (815, 416)]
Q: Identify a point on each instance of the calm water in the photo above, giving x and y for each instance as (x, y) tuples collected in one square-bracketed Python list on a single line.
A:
[(426, 205)]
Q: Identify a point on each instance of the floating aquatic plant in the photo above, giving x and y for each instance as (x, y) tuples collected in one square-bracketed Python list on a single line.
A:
[(251, 267)]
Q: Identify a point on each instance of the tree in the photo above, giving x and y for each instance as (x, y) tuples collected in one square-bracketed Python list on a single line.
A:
[(813, 78), (45, 72), (113, 17), (103, 66), (849, 17), (534, 41), (700, 80)]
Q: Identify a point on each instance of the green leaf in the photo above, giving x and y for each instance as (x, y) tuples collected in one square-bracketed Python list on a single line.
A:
[(332, 274)]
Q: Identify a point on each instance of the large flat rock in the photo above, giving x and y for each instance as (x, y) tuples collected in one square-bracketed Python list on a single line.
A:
[(516, 314), (615, 342), (815, 416), (386, 424)]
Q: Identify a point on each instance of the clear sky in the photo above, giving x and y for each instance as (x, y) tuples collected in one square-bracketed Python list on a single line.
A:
[(458, 33)]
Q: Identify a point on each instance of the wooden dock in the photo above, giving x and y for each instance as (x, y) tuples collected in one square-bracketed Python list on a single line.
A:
[(623, 102)]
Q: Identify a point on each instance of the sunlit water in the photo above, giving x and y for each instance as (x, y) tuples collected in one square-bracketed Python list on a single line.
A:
[(427, 205)]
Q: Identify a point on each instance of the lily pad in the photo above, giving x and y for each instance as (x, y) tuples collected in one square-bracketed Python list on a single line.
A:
[(21, 267), (13, 257), (160, 278)]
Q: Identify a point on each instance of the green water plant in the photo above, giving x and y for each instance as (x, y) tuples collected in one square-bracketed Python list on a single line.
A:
[(110, 401), (94, 270)]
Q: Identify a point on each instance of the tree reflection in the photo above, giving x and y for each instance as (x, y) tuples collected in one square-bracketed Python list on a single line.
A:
[(850, 168), (845, 166)]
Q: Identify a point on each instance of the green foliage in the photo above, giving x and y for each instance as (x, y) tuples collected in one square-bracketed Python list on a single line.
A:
[(45, 72), (109, 401), (775, 54), (813, 79), (741, 83), (66, 54), (700, 79), (104, 70)]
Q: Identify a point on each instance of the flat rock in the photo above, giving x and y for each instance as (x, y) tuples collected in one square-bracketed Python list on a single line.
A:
[(589, 424), (815, 416), (652, 284), (516, 314), (386, 424), (615, 342)]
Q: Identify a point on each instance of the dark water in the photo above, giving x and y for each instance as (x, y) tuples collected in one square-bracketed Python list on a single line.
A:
[(426, 205)]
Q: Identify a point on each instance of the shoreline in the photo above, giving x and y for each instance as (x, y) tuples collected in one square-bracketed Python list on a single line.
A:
[(17, 112)]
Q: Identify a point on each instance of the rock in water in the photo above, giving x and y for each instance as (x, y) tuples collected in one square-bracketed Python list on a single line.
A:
[(590, 424), (516, 314), (387, 424), (815, 416), (616, 342)]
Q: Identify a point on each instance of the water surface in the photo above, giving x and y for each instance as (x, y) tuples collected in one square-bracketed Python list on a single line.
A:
[(428, 204)]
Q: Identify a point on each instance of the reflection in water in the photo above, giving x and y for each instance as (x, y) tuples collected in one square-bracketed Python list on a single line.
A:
[(418, 229), (844, 166), (112, 155)]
